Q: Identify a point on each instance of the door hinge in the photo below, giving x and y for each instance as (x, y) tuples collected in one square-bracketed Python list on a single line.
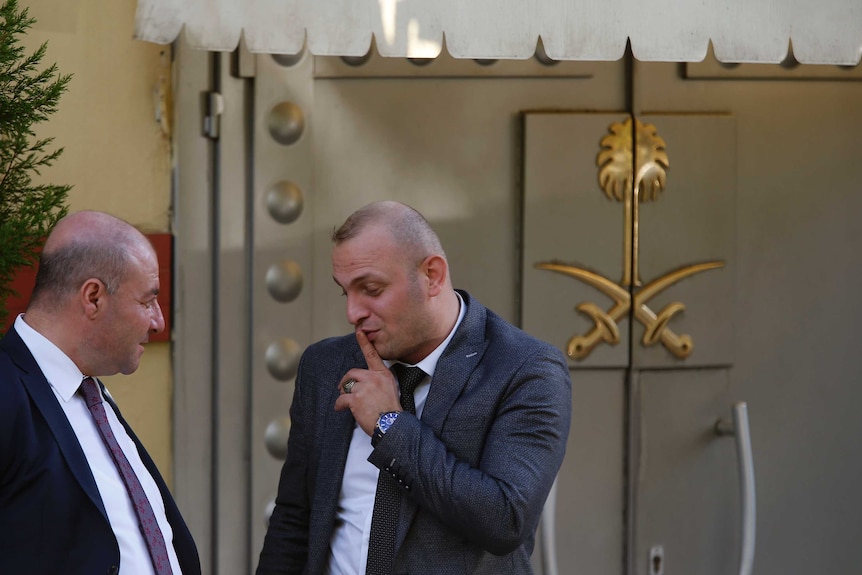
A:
[(213, 109)]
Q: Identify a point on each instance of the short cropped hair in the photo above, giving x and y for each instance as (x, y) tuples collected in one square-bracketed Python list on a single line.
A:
[(409, 228)]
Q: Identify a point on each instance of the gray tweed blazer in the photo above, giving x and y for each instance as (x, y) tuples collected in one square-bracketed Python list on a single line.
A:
[(475, 470)]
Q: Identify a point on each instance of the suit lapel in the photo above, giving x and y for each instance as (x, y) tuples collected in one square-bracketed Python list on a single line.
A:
[(337, 433), (455, 366), (183, 542), (451, 375), (46, 402)]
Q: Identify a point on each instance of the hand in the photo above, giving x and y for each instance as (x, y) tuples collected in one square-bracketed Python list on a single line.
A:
[(374, 392)]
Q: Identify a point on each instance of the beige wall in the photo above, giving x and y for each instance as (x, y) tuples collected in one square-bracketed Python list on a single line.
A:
[(117, 157)]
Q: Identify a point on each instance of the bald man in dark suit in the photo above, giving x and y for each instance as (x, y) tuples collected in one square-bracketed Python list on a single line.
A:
[(65, 503)]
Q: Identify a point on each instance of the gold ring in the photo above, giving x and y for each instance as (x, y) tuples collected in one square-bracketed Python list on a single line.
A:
[(348, 385)]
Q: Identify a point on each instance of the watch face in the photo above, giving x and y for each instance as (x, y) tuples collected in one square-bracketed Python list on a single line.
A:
[(386, 420)]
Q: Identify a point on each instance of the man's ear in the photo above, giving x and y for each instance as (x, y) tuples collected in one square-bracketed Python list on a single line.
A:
[(435, 270), (93, 294)]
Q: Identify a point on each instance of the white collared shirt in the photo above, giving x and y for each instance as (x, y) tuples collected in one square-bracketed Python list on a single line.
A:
[(65, 378), (348, 549)]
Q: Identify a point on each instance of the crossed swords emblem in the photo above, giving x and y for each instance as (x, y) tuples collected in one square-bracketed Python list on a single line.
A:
[(631, 180)]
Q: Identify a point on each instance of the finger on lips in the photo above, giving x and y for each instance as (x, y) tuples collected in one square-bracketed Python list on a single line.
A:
[(372, 358)]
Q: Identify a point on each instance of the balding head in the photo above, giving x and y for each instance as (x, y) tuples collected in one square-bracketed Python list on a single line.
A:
[(84, 245), (96, 293)]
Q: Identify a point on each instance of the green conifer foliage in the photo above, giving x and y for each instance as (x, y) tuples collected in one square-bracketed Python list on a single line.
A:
[(28, 96)]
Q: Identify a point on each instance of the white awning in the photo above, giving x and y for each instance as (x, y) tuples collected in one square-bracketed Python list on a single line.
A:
[(817, 31)]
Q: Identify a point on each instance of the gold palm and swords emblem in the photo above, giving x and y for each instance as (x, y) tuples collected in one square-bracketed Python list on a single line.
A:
[(631, 180)]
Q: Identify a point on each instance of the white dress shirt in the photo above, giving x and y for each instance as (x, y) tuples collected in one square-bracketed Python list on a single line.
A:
[(348, 549), (65, 378)]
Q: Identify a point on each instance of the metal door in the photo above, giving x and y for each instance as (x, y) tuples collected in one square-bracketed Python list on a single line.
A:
[(502, 159), (606, 274)]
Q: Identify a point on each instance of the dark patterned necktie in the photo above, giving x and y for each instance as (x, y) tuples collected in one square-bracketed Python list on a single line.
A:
[(146, 518), (387, 500)]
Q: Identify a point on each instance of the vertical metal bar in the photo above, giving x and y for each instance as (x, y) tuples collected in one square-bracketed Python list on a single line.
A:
[(631, 464), (249, 124), (192, 334), (215, 389), (630, 431)]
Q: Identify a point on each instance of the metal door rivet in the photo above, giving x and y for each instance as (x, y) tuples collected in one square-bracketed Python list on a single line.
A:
[(356, 60), (267, 511), (284, 202), (275, 437), (284, 281), (286, 123), (288, 60), (282, 359)]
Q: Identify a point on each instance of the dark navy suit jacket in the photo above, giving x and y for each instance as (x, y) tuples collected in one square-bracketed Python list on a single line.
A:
[(475, 470), (52, 519)]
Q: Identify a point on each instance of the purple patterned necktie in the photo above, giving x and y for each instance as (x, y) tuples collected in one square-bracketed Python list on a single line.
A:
[(146, 518), (387, 499)]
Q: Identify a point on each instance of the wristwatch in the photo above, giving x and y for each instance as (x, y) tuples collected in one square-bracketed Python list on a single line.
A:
[(384, 422)]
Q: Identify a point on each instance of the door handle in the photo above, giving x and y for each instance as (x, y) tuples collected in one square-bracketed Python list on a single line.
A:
[(740, 430), (549, 533)]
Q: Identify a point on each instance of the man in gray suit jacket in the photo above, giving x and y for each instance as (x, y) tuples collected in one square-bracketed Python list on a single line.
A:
[(467, 462)]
